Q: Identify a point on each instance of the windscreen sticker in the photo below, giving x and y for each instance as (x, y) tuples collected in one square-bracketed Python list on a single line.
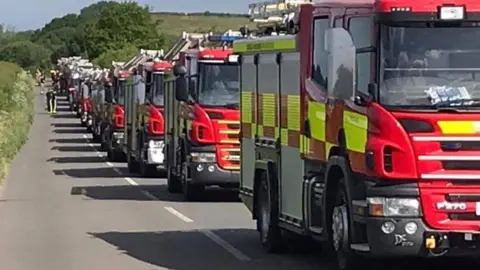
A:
[(437, 94)]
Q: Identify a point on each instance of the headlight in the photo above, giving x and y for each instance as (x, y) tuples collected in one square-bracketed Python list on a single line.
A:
[(155, 144), (390, 207), (118, 135), (204, 157)]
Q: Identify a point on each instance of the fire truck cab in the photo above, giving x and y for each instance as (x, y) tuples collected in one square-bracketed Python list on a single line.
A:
[(203, 120), (144, 115), (113, 133), (360, 126)]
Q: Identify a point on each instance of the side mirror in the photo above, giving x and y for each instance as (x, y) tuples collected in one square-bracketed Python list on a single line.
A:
[(192, 88), (372, 89), (179, 70), (181, 91)]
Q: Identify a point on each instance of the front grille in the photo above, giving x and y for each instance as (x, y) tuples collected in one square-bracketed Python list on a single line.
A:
[(464, 216), (459, 146), (461, 165)]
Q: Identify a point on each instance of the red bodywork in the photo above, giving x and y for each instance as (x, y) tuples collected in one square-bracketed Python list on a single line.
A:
[(417, 157), (155, 126), (119, 109), (215, 126)]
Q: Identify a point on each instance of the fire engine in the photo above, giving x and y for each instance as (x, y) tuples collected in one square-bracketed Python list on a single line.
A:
[(144, 129), (113, 133), (360, 125), (203, 120)]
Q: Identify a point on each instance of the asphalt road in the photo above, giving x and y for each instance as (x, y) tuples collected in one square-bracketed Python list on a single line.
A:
[(64, 207)]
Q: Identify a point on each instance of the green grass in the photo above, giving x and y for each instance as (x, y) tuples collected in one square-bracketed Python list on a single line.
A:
[(16, 112), (173, 24)]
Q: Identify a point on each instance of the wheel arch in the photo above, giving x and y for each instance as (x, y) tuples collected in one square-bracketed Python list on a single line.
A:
[(261, 167)]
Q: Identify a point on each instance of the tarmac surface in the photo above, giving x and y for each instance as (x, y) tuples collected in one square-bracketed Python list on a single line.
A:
[(64, 207)]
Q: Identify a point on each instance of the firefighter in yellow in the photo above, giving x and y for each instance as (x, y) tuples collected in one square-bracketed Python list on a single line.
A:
[(52, 100)]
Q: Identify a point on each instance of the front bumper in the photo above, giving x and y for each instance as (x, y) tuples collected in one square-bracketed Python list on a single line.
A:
[(155, 151), (210, 174), (425, 241), (118, 140)]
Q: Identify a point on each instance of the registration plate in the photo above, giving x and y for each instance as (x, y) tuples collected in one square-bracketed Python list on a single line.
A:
[(477, 209)]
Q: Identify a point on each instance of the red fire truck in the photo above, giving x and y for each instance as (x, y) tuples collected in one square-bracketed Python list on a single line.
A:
[(204, 121), (144, 131), (360, 126), (113, 132)]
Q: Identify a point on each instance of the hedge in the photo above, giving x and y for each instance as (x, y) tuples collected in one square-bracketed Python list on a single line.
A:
[(16, 112)]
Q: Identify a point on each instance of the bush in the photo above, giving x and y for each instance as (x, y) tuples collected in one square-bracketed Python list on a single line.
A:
[(16, 112)]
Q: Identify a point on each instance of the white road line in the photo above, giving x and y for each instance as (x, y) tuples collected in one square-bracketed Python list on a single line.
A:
[(131, 181), (211, 235), (149, 195), (91, 145), (225, 245), (178, 214)]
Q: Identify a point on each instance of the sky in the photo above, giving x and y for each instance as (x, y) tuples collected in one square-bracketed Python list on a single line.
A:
[(33, 14)]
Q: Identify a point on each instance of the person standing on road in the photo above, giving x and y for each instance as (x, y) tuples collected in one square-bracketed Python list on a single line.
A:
[(52, 100)]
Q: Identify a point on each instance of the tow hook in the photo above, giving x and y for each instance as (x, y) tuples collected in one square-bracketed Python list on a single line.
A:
[(437, 244)]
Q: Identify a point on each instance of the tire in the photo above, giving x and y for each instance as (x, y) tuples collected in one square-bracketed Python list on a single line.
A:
[(174, 184), (191, 192), (340, 226), (132, 164), (147, 170), (267, 216)]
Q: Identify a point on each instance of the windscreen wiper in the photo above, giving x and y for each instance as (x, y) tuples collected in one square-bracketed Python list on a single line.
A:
[(466, 102), (233, 106)]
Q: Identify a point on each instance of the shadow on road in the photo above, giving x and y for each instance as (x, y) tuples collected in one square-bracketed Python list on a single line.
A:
[(210, 195), (91, 159), (120, 193), (66, 125), (193, 250), (106, 172), (160, 192), (69, 140), (70, 131), (79, 148), (65, 116)]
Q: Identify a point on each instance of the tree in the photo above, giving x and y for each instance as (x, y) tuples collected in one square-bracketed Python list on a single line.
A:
[(120, 26), (26, 54), (121, 55)]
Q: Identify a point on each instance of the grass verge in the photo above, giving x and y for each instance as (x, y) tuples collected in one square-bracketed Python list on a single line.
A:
[(16, 112)]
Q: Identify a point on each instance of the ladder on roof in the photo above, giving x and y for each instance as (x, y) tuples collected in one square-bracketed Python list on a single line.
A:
[(277, 15)]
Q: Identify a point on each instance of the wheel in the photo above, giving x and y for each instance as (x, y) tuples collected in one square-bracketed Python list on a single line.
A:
[(267, 216), (147, 170), (191, 192), (174, 184), (132, 164), (346, 258)]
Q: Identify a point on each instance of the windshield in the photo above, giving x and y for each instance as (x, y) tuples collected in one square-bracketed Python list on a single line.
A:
[(158, 94), (219, 85), (424, 66), (120, 92)]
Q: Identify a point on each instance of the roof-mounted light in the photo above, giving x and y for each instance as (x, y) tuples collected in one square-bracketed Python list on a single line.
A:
[(223, 38), (233, 58), (450, 13), (400, 9)]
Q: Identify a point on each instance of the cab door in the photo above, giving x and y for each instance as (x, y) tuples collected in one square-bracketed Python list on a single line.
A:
[(360, 25)]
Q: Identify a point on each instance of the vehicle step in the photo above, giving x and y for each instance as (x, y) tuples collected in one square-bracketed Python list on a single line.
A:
[(316, 230), (360, 247)]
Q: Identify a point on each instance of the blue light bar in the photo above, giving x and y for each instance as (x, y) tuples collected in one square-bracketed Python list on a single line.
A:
[(223, 38)]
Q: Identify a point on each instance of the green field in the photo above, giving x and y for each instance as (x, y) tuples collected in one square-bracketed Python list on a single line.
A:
[(173, 24)]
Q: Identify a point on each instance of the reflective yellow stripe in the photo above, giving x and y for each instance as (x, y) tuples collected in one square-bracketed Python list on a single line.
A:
[(293, 109), (355, 126), (243, 46), (227, 122), (284, 136), (316, 115), (268, 108), (328, 146), (459, 127), (247, 107), (229, 131)]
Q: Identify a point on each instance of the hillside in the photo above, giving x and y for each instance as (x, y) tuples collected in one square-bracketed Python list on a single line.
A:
[(172, 24)]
